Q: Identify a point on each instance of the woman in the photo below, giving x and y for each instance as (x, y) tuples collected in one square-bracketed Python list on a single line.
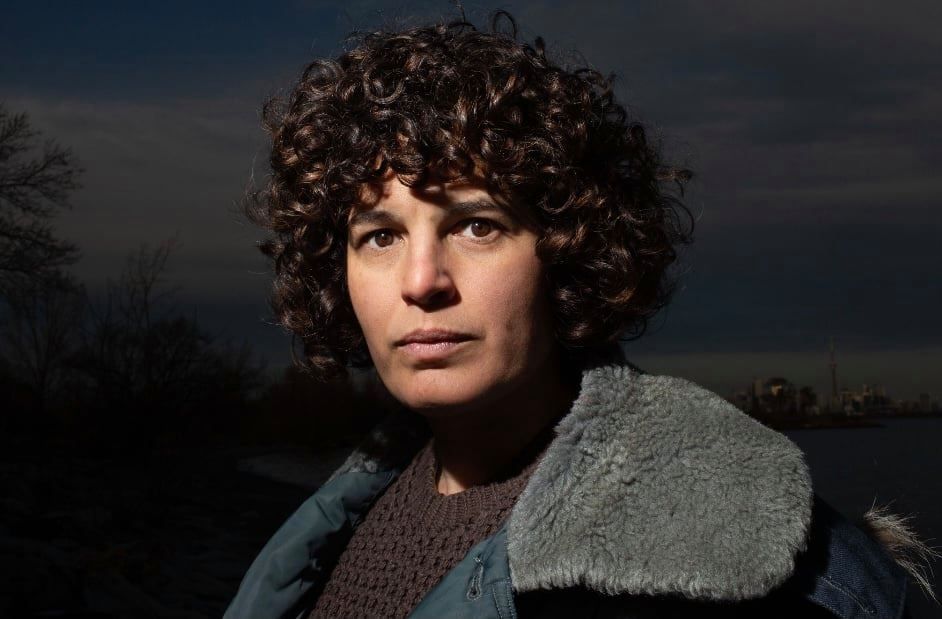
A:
[(481, 227)]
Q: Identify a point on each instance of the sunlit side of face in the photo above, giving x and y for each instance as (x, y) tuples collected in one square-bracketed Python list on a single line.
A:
[(447, 257)]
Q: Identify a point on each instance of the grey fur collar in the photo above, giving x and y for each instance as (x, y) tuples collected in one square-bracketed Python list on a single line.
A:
[(653, 485)]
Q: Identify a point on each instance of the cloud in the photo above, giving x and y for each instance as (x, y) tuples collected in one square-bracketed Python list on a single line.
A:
[(772, 93), (154, 171), (812, 128)]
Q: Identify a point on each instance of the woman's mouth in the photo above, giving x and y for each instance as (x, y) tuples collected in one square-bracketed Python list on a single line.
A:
[(432, 344)]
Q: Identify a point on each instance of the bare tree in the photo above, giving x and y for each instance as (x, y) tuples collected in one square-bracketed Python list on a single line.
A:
[(134, 345), (37, 178), (140, 350), (40, 331)]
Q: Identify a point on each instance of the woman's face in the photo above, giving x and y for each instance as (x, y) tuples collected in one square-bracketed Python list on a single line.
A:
[(449, 292)]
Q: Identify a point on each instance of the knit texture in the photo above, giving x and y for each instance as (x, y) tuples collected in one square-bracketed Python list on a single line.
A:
[(412, 536)]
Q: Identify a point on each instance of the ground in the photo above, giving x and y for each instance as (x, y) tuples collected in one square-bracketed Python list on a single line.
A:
[(167, 536)]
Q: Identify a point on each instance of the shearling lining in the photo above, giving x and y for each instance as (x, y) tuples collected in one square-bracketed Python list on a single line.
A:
[(655, 485)]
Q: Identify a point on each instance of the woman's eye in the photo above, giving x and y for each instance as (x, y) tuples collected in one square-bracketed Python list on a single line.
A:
[(479, 228), (382, 238)]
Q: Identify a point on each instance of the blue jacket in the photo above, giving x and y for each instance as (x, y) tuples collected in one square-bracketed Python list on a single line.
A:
[(656, 498)]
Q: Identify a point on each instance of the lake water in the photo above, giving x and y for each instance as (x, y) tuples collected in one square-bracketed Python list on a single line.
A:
[(900, 464)]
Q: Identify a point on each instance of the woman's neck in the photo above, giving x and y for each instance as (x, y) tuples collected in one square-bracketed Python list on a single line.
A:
[(474, 447)]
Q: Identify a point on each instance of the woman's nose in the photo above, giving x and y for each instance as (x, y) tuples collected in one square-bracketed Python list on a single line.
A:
[(426, 280)]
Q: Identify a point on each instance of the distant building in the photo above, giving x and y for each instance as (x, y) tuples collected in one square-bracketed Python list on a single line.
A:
[(925, 403), (776, 397), (868, 400), (808, 401)]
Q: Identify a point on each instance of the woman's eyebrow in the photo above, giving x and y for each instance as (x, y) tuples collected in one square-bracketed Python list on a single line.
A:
[(472, 207), (372, 217), (458, 209)]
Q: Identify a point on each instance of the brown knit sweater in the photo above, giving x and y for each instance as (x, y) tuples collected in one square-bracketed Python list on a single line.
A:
[(412, 536)]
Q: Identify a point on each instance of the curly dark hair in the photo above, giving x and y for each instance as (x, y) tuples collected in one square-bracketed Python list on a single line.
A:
[(458, 103)]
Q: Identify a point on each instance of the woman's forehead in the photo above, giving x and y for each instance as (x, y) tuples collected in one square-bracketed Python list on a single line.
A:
[(461, 196), (391, 192), (396, 205)]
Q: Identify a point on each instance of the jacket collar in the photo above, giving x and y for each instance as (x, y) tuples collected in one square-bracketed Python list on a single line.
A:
[(655, 485), (652, 485)]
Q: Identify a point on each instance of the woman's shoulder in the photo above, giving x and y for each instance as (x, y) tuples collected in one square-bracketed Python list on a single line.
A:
[(842, 573), (683, 493), (857, 568), (687, 496), (846, 569)]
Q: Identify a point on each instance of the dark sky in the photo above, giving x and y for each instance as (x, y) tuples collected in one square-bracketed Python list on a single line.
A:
[(814, 130)]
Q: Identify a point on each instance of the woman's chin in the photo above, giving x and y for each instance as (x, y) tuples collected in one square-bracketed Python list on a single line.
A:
[(447, 393), (430, 406)]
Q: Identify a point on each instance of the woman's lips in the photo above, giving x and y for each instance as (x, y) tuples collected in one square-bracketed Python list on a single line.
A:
[(432, 345), (432, 351)]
